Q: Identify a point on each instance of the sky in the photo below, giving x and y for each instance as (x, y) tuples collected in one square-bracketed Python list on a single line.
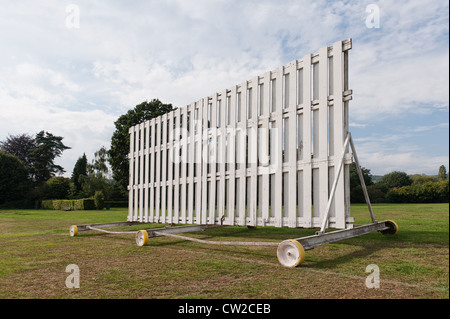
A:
[(73, 67)]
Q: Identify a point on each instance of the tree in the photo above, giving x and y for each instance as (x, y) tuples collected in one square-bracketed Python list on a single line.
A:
[(442, 175), (396, 179), (99, 165), (48, 147), (80, 168), (57, 188), (120, 141), (20, 146), (14, 182), (356, 192)]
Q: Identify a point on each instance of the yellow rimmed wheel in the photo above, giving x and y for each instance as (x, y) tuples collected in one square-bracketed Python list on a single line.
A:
[(290, 253), (141, 238), (393, 228), (73, 231)]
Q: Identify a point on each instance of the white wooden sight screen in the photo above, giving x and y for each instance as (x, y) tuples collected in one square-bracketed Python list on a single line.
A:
[(264, 152)]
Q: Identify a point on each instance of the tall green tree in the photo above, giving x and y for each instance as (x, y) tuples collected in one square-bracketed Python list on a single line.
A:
[(442, 175), (99, 165), (120, 141), (48, 148), (396, 179), (80, 168), (356, 192), (20, 146), (14, 183)]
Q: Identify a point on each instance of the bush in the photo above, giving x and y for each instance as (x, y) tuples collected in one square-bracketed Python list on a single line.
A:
[(66, 204), (99, 200), (57, 188), (117, 203), (428, 192)]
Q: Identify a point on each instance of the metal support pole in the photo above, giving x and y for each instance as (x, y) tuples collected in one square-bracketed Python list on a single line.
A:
[(361, 178), (333, 190), (310, 242)]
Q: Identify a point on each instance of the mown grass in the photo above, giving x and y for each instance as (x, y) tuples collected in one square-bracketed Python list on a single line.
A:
[(36, 249)]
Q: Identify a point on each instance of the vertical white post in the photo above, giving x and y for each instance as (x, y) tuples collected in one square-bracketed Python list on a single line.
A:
[(277, 201), (242, 155), (323, 130), (131, 175), (205, 161), (338, 130), (170, 119), (221, 154), (152, 170), (147, 173), (253, 153), (306, 201), (291, 97), (141, 172), (183, 178), (213, 161), (190, 164), (263, 149), (177, 159), (232, 156)]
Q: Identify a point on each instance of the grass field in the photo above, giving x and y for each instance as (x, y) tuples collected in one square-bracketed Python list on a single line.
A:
[(36, 249)]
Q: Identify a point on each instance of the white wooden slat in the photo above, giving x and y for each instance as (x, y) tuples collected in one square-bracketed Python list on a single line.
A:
[(183, 162), (277, 200), (141, 172), (131, 175), (146, 172), (170, 119), (323, 130), (176, 159), (213, 161), (136, 173), (152, 172), (263, 153), (190, 164), (306, 185), (164, 169), (338, 129), (205, 157), (198, 162), (158, 169), (231, 158), (242, 191), (253, 153), (221, 154), (291, 96)]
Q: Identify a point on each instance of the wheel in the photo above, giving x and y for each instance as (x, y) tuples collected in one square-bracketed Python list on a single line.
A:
[(393, 228), (73, 231), (290, 253), (142, 238)]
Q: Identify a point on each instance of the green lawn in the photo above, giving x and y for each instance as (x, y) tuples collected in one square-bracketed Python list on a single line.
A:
[(36, 249)]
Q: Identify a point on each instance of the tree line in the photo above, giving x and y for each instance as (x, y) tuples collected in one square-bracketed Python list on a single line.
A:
[(28, 173), (399, 187)]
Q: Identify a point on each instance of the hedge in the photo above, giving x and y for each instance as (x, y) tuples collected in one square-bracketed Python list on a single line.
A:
[(69, 204), (429, 192)]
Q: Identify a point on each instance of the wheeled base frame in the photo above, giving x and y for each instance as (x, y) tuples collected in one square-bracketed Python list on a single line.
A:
[(290, 253)]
